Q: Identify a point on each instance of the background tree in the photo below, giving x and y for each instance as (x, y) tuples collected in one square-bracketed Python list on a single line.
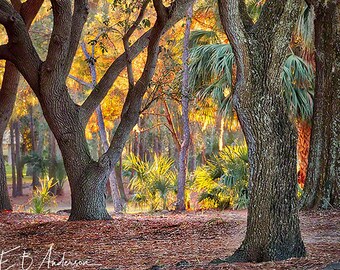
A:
[(183, 154), (27, 12), (67, 119), (273, 231), (322, 187)]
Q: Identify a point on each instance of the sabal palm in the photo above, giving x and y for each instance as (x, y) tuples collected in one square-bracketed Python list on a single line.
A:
[(153, 181), (212, 75)]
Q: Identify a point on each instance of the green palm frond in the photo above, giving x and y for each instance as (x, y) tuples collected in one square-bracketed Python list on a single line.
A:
[(203, 37), (211, 74), (305, 27), (224, 176), (298, 82), (211, 69), (152, 181)]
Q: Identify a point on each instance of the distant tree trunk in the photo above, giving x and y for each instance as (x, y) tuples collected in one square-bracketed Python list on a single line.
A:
[(35, 177), (273, 231), (5, 203), (304, 132), (118, 204), (119, 177), (52, 169), (19, 191), (13, 159), (322, 188), (8, 93), (220, 131), (183, 154)]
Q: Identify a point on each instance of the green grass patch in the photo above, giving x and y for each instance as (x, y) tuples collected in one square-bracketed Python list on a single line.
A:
[(26, 179)]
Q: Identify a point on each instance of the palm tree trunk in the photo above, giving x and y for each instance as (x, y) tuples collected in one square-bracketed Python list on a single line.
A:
[(304, 131), (322, 186)]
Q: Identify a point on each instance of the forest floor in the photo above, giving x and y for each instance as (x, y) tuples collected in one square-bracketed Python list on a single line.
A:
[(159, 241)]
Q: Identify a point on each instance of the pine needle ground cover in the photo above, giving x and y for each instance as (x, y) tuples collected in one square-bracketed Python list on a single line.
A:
[(159, 241)]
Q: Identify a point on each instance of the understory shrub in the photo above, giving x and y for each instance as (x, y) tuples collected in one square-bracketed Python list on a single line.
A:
[(153, 182), (42, 197), (223, 181)]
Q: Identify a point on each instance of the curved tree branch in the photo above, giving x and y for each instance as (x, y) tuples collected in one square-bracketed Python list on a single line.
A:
[(20, 46), (177, 11), (79, 18)]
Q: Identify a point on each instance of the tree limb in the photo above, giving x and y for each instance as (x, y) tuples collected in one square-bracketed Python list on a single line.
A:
[(79, 18), (247, 21), (126, 38), (270, 16), (97, 95), (5, 53), (58, 49), (29, 10), (25, 57), (233, 26)]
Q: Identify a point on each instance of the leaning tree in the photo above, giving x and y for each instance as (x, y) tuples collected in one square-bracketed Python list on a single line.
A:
[(27, 10), (67, 119), (273, 231)]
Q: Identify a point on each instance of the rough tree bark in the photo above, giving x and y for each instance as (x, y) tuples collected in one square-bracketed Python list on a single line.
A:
[(117, 203), (322, 188), (68, 120), (273, 231), (183, 153)]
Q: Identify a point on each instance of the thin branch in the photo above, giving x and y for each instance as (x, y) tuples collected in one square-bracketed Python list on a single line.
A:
[(126, 38), (29, 10), (106, 82), (80, 81), (247, 21), (79, 18), (161, 10)]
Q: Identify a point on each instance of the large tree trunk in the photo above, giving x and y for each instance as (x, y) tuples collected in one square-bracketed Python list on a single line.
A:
[(183, 153), (273, 231), (322, 188), (19, 191), (68, 120), (88, 194)]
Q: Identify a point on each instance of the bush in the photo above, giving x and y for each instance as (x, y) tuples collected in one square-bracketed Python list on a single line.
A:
[(223, 181), (42, 197), (154, 182)]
